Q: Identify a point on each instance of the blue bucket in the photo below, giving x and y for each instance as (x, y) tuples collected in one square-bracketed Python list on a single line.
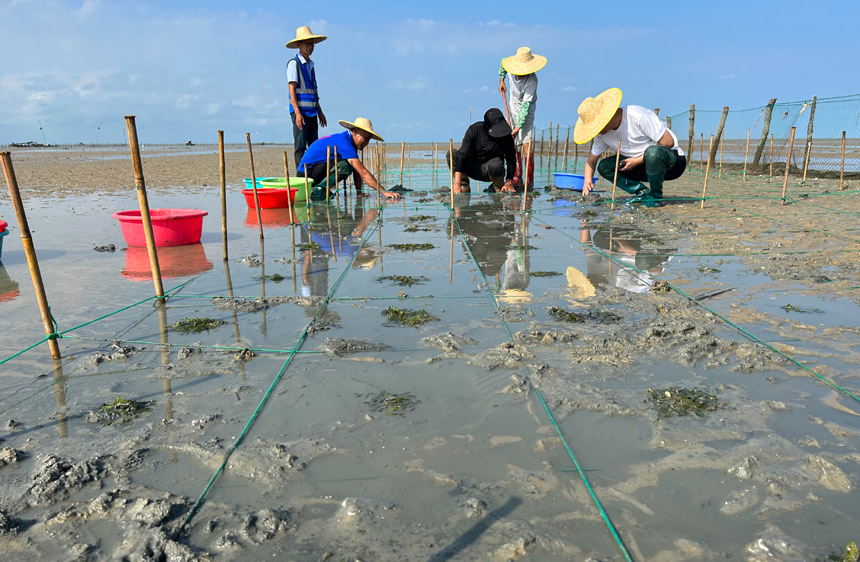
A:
[(563, 180), (249, 184)]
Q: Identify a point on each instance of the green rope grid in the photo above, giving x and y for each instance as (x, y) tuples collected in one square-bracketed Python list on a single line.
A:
[(549, 413), (196, 507), (741, 330)]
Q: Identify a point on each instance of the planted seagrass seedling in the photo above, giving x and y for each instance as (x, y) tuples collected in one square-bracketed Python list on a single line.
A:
[(121, 410), (793, 308), (412, 247), (418, 218), (403, 280), (391, 404), (675, 401), (195, 325), (852, 554), (545, 273), (416, 229), (598, 316), (276, 277), (408, 317)]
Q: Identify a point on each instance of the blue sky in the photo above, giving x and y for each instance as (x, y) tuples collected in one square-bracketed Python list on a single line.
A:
[(187, 69)]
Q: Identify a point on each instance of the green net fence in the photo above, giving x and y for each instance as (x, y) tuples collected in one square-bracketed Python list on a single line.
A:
[(818, 143)]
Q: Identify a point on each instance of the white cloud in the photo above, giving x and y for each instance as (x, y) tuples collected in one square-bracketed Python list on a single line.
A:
[(412, 85), (726, 76)]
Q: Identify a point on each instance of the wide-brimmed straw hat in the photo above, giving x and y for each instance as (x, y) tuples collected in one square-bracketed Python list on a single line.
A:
[(524, 62), (364, 125), (304, 33), (595, 113)]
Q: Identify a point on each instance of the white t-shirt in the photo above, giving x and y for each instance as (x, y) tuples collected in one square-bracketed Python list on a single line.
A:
[(640, 128), (293, 68), (524, 89)]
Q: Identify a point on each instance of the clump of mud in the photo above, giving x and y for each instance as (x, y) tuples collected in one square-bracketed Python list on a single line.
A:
[(403, 280), (408, 317), (261, 303), (121, 410)]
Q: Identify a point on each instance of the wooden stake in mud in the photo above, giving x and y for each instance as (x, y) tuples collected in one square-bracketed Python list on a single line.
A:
[(707, 172), (549, 146), (336, 192), (307, 193), (770, 175), (809, 139), (143, 202), (557, 128), (842, 165), (526, 159), (223, 178), (575, 156), (692, 130), (30, 251), (379, 185), (702, 150), (712, 155), (327, 172), (451, 172), (566, 144), (402, 149), (765, 129), (254, 184), (746, 154), (542, 146), (289, 189), (788, 163), (615, 176), (720, 175)]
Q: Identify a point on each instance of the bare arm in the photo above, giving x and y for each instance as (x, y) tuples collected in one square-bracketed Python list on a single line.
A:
[(299, 119), (368, 178), (588, 185), (666, 140)]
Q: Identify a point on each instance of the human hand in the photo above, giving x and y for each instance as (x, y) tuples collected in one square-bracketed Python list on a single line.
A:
[(514, 131), (587, 186), (323, 121), (502, 88), (391, 194), (300, 121), (508, 187), (631, 163)]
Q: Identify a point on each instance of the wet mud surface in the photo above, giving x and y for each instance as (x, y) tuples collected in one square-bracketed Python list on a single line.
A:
[(470, 437)]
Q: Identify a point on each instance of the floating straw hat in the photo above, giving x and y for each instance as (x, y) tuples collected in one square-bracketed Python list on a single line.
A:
[(304, 34), (524, 62), (595, 113), (364, 125)]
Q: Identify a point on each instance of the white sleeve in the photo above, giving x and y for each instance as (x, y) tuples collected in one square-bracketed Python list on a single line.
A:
[(292, 71), (651, 126), (598, 146)]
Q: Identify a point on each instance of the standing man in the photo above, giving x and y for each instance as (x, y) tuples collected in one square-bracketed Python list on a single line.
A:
[(487, 149), (523, 67), (348, 143), (649, 150), (305, 111)]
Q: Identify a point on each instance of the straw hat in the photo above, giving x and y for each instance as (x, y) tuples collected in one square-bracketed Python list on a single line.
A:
[(595, 113), (524, 62), (514, 296), (578, 283), (304, 33), (364, 125)]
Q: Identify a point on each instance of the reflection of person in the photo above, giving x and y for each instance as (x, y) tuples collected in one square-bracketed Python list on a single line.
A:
[(523, 100), (305, 110), (487, 149), (649, 150), (626, 249), (348, 143)]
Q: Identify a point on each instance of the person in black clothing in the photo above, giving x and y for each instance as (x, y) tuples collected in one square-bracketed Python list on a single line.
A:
[(487, 149)]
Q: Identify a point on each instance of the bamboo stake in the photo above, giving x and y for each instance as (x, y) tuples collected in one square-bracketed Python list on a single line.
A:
[(451, 171), (30, 252), (566, 144), (842, 165), (336, 192), (143, 203), (526, 158), (549, 146), (327, 171), (746, 154), (557, 127), (712, 155), (615, 176), (692, 131), (289, 189), (542, 146), (788, 163), (379, 186), (307, 194), (809, 129), (707, 172), (575, 157), (720, 174), (765, 129), (223, 178), (702, 151), (402, 149), (770, 176), (254, 184)]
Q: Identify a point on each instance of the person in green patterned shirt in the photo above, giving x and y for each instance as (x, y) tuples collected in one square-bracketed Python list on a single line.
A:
[(523, 99)]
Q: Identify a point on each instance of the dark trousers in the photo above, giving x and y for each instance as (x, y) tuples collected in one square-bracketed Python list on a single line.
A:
[(490, 170), (304, 137), (338, 172), (661, 164)]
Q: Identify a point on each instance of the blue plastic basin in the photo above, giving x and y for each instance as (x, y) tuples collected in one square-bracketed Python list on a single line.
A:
[(2, 234), (564, 180)]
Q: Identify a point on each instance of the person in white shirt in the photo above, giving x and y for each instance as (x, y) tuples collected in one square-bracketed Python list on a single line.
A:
[(523, 68), (649, 150)]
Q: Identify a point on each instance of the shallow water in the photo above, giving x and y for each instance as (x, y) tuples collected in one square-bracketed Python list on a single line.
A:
[(477, 470)]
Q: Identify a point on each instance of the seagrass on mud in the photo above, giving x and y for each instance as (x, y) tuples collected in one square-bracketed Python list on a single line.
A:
[(30, 252), (254, 184), (143, 202)]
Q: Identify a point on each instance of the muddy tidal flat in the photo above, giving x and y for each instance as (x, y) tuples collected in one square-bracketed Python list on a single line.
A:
[(405, 382)]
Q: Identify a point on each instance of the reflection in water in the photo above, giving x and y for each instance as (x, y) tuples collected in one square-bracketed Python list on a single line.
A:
[(175, 261), (272, 218), (624, 245), (60, 381), (8, 288), (497, 235)]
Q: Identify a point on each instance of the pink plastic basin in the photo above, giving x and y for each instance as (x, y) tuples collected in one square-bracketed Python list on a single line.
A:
[(3, 225), (270, 198), (171, 227)]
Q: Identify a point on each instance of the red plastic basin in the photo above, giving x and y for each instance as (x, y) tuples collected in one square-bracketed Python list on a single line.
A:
[(178, 261), (272, 218), (171, 227), (270, 198), (3, 225)]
